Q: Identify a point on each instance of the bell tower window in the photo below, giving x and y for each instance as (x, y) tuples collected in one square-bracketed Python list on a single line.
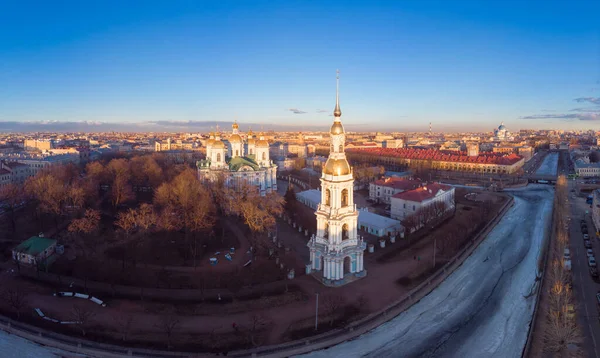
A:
[(218, 157), (327, 197), (344, 198)]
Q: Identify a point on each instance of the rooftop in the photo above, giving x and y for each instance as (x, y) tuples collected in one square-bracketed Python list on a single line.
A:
[(312, 195), (34, 245), (423, 193), (398, 183), (373, 220), (439, 155)]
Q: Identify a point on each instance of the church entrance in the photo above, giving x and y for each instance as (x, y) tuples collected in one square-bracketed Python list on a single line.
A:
[(347, 265)]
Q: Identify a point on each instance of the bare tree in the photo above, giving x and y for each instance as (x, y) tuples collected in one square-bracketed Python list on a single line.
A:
[(85, 226), (16, 299), (257, 322), (82, 316), (123, 321), (332, 303), (168, 324), (12, 198)]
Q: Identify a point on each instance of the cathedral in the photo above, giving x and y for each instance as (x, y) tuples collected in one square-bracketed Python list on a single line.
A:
[(239, 163), (336, 250)]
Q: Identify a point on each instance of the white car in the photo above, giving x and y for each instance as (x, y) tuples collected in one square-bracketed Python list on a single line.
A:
[(592, 261), (590, 253), (586, 236), (567, 254)]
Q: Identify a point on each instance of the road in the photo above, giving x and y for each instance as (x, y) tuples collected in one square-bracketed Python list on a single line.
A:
[(584, 286), (484, 308)]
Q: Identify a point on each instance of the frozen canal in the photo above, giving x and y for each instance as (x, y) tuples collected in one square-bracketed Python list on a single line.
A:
[(549, 166), (483, 309), (12, 346)]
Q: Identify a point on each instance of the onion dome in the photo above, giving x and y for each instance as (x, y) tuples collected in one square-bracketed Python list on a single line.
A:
[(337, 128), (235, 125), (262, 142), (336, 167), (218, 145), (235, 138), (211, 139)]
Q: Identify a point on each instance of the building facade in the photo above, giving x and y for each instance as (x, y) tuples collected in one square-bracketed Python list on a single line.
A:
[(229, 163), (336, 250), (382, 190), (410, 202)]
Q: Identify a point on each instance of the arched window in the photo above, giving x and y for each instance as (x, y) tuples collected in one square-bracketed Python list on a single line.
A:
[(345, 233), (218, 157), (327, 197), (341, 148), (264, 156), (237, 153), (326, 231), (344, 198)]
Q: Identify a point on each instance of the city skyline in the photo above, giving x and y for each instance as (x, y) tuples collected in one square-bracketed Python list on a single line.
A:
[(186, 66)]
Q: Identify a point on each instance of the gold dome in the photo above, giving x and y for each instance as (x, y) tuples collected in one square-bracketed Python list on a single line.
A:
[(337, 128), (262, 143), (235, 138), (251, 141), (250, 133), (235, 125), (336, 167), (218, 145)]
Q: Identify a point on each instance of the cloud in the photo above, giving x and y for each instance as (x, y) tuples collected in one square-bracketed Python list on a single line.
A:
[(296, 111), (322, 111), (594, 100), (570, 116), (588, 110)]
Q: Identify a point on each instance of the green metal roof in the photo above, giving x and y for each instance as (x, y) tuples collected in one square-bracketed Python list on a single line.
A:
[(34, 245), (236, 163)]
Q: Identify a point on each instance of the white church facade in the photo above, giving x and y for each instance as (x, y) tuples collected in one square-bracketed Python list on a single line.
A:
[(336, 250), (239, 163)]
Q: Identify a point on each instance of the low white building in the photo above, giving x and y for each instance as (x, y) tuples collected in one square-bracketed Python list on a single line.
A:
[(587, 169), (310, 198), (376, 224), (409, 202)]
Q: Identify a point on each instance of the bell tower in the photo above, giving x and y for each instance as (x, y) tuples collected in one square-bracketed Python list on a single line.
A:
[(336, 249)]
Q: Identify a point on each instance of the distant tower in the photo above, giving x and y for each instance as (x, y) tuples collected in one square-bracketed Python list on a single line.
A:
[(251, 144), (216, 154), (336, 249), (235, 141), (472, 149)]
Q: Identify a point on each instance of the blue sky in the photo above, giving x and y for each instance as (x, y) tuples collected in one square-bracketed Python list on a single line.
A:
[(462, 65)]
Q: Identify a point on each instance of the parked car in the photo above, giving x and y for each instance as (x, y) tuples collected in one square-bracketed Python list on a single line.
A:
[(583, 226), (592, 261), (586, 236), (567, 254), (587, 244), (590, 253), (584, 230)]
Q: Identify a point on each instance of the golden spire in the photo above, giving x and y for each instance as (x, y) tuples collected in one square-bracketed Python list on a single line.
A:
[(337, 112)]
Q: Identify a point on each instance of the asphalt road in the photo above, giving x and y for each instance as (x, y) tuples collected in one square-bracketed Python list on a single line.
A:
[(585, 288)]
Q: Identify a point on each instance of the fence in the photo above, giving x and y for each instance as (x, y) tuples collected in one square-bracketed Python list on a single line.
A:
[(317, 342)]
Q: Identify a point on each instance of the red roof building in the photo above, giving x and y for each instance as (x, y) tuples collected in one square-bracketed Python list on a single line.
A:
[(383, 189), (443, 160), (439, 197)]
